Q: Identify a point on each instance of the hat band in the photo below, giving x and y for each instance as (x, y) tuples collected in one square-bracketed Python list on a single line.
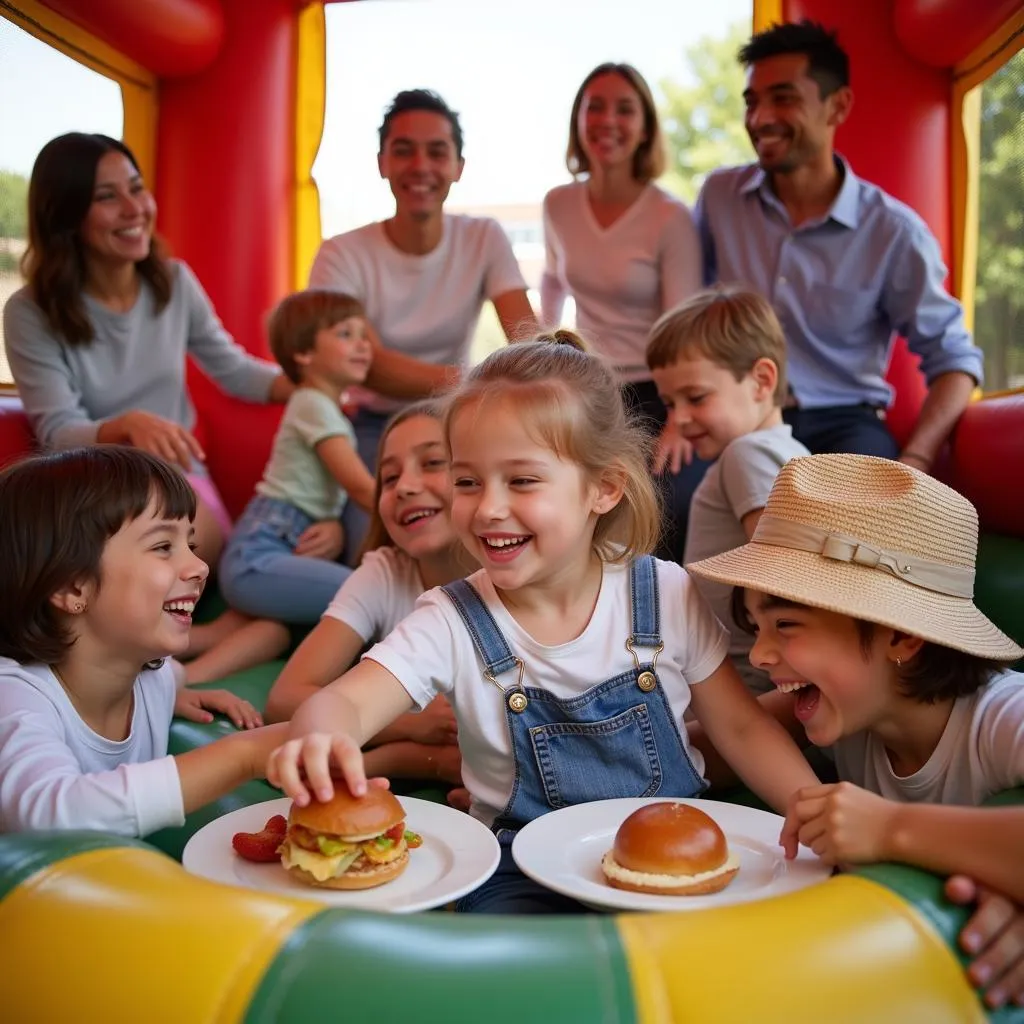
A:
[(954, 580)]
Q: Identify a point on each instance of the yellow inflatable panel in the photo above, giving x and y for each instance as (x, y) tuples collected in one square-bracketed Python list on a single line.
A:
[(116, 900), (758, 961)]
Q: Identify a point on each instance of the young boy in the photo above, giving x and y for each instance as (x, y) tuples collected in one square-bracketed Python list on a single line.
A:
[(719, 362), (858, 584)]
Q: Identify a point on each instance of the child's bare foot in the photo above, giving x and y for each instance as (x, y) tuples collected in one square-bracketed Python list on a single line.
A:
[(459, 798)]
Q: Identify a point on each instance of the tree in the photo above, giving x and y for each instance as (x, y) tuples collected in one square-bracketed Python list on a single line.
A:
[(703, 118), (13, 205), (999, 290)]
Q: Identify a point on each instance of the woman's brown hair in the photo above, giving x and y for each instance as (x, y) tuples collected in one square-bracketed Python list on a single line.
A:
[(649, 158), (60, 193)]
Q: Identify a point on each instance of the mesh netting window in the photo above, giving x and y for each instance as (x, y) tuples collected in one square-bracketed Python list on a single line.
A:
[(999, 293)]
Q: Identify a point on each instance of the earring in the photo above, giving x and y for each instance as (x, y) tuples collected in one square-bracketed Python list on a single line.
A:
[(78, 608), (899, 661)]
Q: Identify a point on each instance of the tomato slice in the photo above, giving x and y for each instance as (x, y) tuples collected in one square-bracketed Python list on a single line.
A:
[(397, 832)]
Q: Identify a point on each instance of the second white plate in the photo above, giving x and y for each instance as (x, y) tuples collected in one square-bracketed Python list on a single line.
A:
[(562, 850)]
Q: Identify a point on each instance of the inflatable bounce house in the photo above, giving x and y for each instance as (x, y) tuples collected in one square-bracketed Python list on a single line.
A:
[(224, 105)]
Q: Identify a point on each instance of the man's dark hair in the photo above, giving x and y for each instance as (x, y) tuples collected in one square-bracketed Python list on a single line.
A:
[(421, 99), (827, 62)]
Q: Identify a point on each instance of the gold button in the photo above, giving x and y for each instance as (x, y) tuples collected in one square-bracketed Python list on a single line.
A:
[(517, 702), (647, 681)]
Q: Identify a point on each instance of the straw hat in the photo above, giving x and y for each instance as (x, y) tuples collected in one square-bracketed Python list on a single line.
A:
[(873, 539)]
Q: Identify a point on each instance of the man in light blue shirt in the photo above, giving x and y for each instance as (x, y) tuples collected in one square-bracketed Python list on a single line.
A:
[(846, 266)]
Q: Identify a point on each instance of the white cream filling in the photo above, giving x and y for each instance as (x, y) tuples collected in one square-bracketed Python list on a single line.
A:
[(613, 869)]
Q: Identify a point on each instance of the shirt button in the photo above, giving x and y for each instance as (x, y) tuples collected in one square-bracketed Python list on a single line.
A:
[(782, 280)]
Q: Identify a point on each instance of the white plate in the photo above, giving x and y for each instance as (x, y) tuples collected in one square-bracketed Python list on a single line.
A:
[(458, 854), (562, 850)]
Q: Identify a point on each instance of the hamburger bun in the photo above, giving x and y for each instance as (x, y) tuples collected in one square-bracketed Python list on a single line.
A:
[(670, 849), (341, 843), (350, 817)]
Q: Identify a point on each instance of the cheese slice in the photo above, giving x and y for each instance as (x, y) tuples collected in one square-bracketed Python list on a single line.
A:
[(319, 866)]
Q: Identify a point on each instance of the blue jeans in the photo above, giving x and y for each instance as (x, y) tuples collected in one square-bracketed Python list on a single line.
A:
[(509, 891), (261, 576), (369, 427), (857, 429)]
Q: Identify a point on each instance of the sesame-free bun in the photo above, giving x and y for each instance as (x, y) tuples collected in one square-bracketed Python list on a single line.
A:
[(365, 878), (670, 849), (348, 816)]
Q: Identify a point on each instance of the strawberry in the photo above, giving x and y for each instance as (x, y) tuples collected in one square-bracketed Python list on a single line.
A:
[(262, 846)]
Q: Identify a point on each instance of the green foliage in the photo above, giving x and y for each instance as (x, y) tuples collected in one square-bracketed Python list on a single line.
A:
[(703, 118), (13, 205), (999, 294)]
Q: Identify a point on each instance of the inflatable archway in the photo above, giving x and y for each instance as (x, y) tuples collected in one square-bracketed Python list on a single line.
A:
[(227, 111)]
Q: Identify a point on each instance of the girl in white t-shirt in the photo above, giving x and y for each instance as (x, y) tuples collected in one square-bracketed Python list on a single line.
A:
[(569, 657), (410, 547), (100, 580)]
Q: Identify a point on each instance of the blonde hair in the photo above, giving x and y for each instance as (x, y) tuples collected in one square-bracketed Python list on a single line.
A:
[(293, 325), (732, 326), (377, 535), (571, 401), (649, 158)]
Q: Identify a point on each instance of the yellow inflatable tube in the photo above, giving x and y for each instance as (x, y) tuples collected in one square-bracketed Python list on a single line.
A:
[(102, 929)]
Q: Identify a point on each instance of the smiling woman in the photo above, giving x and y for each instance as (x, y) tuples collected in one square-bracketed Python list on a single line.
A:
[(97, 340)]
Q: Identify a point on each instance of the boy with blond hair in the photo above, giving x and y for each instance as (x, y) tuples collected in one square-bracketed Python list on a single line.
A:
[(719, 362)]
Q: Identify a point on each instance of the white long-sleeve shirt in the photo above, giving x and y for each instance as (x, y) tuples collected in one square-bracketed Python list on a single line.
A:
[(56, 773)]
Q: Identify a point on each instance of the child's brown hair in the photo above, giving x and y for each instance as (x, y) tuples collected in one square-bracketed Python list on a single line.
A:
[(732, 326), (293, 325), (59, 510)]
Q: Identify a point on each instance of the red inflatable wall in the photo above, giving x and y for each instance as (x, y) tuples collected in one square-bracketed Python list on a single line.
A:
[(225, 173)]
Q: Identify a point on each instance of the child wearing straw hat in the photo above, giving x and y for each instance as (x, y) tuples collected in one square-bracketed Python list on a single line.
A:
[(719, 362), (858, 585)]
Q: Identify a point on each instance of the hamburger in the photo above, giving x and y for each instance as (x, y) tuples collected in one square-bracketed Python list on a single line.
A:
[(348, 842), (670, 849)]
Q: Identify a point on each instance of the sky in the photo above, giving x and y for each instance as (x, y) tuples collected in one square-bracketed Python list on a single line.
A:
[(510, 69)]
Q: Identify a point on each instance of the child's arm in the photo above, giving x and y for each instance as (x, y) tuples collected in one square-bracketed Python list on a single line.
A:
[(845, 824), (327, 653), (717, 770), (330, 728), (342, 460), (209, 772), (749, 739), (42, 785)]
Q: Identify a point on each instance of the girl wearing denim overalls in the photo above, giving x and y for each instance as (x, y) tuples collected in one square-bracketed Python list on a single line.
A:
[(568, 657)]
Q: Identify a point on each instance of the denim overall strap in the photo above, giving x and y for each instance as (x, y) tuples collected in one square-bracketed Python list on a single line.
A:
[(643, 585), (489, 641)]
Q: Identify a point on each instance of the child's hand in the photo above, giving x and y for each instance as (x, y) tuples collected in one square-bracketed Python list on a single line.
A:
[(672, 451), (321, 540), (303, 767), (434, 725), (196, 705), (841, 823), (994, 937)]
